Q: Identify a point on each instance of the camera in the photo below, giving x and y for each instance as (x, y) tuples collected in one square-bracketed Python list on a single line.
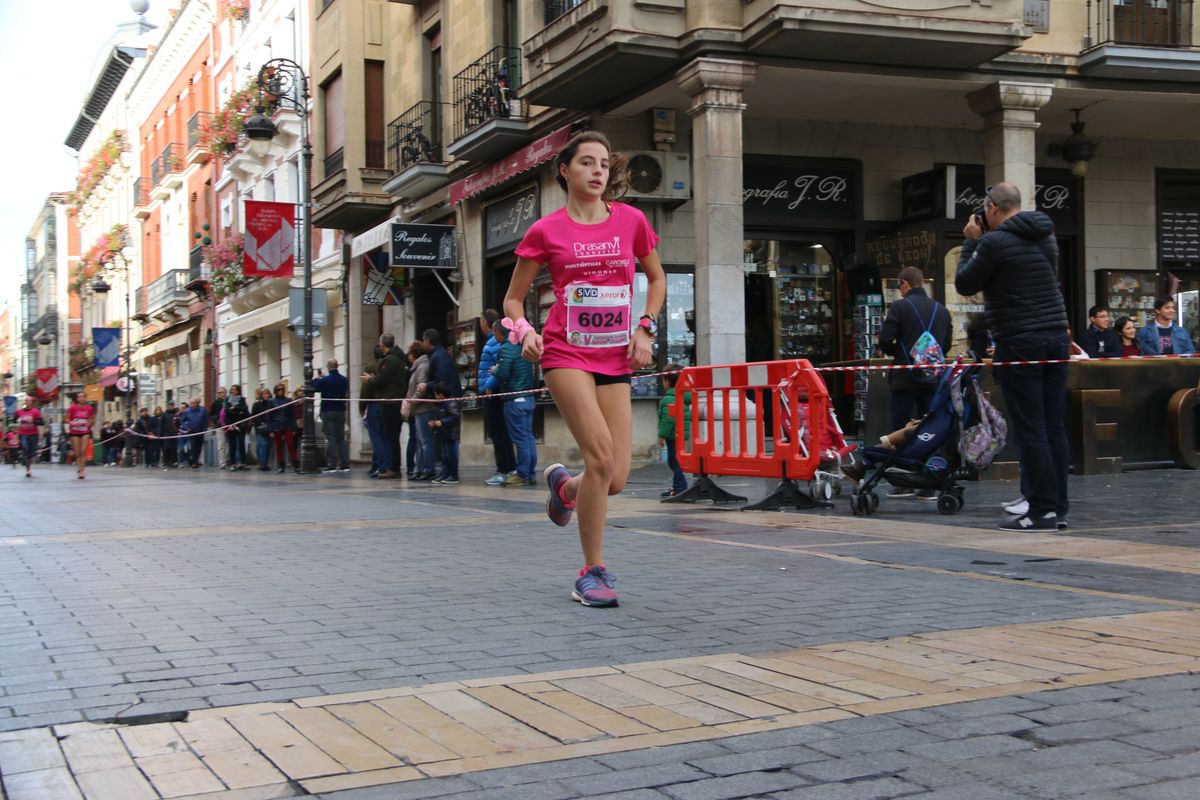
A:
[(981, 219)]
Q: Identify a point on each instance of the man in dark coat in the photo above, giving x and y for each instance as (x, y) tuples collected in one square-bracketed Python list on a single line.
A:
[(1012, 257), (1100, 340), (390, 384)]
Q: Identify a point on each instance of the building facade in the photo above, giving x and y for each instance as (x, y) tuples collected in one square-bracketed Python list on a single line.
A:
[(49, 308)]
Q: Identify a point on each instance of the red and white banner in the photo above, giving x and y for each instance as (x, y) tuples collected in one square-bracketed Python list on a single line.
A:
[(511, 165), (47, 383), (270, 243)]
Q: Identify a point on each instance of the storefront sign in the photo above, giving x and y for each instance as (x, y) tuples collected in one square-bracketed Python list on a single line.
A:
[(1056, 195), (1179, 234), (923, 196), (423, 246), (787, 191), (93, 393), (270, 242), (891, 253), (148, 384), (506, 221), (511, 165)]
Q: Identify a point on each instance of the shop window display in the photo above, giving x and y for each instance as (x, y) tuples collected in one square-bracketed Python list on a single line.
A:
[(676, 328), (801, 285)]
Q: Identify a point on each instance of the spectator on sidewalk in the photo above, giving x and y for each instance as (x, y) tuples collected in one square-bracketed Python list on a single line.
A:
[(494, 424), (412, 445), (421, 411), (515, 374), (1163, 336), (283, 429), (260, 421), (170, 429), (1100, 340), (154, 445), (236, 413), (1127, 336), (215, 412), (446, 426), (334, 389), (143, 429), (110, 441), (1011, 256), (372, 416), (906, 320), (389, 385), (667, 428), (193, 421)]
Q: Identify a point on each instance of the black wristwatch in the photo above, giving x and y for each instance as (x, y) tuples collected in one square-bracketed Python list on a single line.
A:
[(648, 323)]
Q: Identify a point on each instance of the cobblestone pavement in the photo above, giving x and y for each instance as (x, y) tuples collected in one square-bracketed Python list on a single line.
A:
[(141, 597)]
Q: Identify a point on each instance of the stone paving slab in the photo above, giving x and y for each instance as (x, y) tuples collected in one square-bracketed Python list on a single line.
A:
[(329, 744)]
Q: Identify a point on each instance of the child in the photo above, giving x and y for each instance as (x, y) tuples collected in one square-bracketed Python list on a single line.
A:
[(666, 428), (447, 428)]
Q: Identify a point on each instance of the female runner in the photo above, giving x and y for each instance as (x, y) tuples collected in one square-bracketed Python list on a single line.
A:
[(29, 419), (590, 344), (79, 425)]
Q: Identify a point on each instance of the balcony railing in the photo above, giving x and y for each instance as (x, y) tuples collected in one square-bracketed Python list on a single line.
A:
[(415, 137), (166, 290), (140, 305), (196, 266), (141, 192), (335, 162), (487, 90), (553, 9), (1145, 23), (195, 127), (168, 162)]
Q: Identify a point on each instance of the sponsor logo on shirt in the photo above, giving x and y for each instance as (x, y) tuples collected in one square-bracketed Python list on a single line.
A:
[(609, 249)]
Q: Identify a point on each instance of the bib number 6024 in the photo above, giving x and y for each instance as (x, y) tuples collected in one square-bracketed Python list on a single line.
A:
[(601, 319)]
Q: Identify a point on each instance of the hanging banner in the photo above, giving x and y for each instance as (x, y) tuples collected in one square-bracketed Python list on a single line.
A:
[(10, 405), (511, 165), (270, 243), (47, 383), (382, 285), (106, 347)]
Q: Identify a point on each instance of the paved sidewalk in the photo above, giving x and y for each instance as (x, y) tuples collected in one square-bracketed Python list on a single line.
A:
[(136, 601)]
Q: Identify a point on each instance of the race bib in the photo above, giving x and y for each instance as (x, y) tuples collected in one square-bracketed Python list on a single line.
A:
[(598, 316)]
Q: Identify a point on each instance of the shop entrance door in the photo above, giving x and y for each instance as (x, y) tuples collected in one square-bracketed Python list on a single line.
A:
[(791, 299), (432, 307)]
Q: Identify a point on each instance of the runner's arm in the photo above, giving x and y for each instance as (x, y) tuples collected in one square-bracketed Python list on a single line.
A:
[(514, 304)]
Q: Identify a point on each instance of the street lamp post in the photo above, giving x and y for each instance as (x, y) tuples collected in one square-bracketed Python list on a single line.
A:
[(102, 287), (284, 83)]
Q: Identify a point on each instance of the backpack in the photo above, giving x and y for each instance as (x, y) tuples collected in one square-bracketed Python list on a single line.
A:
[(982, 442), (926, 350)]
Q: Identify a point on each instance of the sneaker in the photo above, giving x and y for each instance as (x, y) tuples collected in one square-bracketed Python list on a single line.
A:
[(1018, 507), (449, 481), (329, 469), (496, 480), (531, 482), (594, 587), (513, 479), (437, 480), (901, 491), (343, 468), (419, 477), (556, 508), (1027, 523), (1063, 522), (667, 493)]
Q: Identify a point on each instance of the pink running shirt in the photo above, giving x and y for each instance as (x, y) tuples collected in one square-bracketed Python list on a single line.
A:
[(592, 266), (27, 421), (80, 419)]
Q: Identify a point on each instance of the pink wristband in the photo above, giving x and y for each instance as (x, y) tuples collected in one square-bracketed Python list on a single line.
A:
[(517, 329)]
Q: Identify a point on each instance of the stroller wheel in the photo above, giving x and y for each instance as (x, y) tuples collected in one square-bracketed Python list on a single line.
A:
[(837, 487), (947, 504), (860, 504), (874, 501), (824, 489)]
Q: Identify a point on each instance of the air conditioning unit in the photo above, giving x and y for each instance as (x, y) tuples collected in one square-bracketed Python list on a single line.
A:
[(659, 176)]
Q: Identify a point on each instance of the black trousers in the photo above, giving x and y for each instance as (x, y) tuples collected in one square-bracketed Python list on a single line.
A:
[(393, 423), (1035, 397), (903, 401), (497, 429)]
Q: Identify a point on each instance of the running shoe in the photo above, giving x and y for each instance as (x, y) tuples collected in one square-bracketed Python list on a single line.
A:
[(449, 481), (595, 588), (513, 479), (1025, 523), (556, 507), (1018, 507), (496, 480), (1064, 522)]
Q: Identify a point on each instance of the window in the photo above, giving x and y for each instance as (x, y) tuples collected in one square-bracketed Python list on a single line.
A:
[(333, 107), (374, 123), (676, 335)]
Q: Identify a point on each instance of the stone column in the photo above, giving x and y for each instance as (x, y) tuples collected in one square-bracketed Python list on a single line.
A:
[(716, 87), (1009, 110)]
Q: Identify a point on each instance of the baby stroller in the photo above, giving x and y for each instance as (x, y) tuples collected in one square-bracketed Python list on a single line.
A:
[(826, 481), (924, 461)]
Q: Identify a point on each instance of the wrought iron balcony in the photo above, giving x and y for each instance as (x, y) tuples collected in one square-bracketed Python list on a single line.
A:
[(487, 90), (197, 269), (167, 290), (141, 198), (195, 128), (415, 137), (553, 9), (1151, 39), (169, 162), (1148, 23)]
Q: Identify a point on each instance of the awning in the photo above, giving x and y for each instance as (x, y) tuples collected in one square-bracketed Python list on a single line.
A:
[(169, 342), (269, 315), (510, 166), (109, 376)]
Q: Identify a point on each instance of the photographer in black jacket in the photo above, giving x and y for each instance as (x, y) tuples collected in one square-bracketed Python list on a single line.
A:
[(1012, 257)]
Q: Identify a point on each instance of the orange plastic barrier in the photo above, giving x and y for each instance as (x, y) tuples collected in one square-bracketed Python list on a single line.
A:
[(731, 434)]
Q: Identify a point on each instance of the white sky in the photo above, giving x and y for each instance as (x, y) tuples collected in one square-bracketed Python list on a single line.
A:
[(48, 49)]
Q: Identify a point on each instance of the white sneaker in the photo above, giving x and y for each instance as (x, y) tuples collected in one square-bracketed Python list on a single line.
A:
[(497, 479), (1018, 507)]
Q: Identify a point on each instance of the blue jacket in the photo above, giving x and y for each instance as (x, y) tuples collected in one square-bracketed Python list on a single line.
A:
[(282, 416), (449, 414), (1181, 342), (488, 359), (193, 420), (513, 372), (442, 370), (333, 387), (1100, 344)]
